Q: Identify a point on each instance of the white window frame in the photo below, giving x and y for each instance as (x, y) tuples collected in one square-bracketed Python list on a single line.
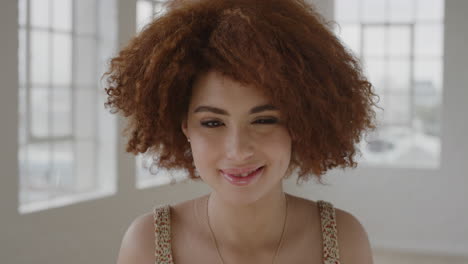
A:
[(382, 139), (89, 179)]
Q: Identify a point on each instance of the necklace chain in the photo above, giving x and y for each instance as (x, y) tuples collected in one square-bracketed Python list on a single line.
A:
[(216, 244)]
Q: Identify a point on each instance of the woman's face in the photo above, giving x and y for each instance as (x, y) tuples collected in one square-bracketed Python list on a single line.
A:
[(227, 135)]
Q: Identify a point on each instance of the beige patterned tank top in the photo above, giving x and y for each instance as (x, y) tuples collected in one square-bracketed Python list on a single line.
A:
[(162, 230)]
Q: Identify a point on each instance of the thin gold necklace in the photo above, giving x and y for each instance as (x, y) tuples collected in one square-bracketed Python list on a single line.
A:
[(216, 244)]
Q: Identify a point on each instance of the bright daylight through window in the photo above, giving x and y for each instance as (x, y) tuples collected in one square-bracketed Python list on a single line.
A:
[(65, 134), (400, 43)]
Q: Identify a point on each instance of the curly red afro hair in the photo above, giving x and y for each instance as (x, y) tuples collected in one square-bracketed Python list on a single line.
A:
[(280, 46)]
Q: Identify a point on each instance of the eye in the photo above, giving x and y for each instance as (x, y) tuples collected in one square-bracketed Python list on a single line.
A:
[(267, 121), (210, 123), (263, 121)]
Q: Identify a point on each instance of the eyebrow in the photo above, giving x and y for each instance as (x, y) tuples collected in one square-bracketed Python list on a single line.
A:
[(256, 109)]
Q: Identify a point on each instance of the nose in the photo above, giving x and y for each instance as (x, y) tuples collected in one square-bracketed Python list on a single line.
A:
[(239, 145)]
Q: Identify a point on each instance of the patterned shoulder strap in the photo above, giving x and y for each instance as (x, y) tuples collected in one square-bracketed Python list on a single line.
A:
[(331, 253), (162, 231)]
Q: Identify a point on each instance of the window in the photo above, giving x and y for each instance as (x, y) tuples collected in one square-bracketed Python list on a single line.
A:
[(147, 10), (65, 135), (400, 43)]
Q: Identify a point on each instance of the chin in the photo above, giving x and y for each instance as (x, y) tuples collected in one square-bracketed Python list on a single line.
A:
[(241, 197)]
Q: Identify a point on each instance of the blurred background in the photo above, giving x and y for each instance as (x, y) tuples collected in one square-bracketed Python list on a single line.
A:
[(69, 191)]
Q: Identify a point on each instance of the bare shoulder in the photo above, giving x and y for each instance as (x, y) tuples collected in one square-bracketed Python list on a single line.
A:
[(353, 241), (138, 242)]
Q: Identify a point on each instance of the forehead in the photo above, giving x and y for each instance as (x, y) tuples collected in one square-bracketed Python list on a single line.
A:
[(217, 88)]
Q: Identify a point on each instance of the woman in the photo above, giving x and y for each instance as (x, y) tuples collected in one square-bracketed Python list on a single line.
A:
[(242, 94)]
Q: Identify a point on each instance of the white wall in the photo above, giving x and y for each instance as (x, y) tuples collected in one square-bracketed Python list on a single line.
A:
[(411, 209)]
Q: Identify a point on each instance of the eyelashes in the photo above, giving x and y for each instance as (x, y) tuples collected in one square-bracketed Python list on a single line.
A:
[(264, 121)]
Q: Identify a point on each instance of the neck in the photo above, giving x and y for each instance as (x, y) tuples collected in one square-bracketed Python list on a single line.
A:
[(247, 228)]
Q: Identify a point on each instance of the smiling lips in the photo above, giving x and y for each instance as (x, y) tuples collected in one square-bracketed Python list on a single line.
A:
[(240, 172), (244, 180)]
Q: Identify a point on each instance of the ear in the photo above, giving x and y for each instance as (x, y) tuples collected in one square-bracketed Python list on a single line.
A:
[(183, 126)]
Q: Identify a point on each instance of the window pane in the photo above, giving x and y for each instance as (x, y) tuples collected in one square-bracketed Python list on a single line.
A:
[(85, 61), (402, 55), (375, 72), (351, 35), (22, 12), (63, 165), (380, 112), (432, 10), (39, 112), (428, 75), (84, 118), (427, 114), (62, 44), (58, 52), (374, 41), (62, 14), (159, 9), (144, 13), (61, 112), (40, 16), (429, 40), (22, 170), (85, 165), (22, 63), (399, 76), (373, 10), (40, 63), (401, 11), (399, 41), (347, 10), (39, 165), (22, 104), (397, 110), (85, 16)]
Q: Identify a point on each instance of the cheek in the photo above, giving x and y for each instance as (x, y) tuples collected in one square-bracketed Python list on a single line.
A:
[(280, 145), (205, 150), (278, 141)]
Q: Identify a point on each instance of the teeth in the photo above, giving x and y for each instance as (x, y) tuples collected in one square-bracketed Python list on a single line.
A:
[(244, 174)]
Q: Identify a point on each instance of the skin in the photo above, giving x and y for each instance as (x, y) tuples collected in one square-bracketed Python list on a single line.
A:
[(239, 139), (247, 221)]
